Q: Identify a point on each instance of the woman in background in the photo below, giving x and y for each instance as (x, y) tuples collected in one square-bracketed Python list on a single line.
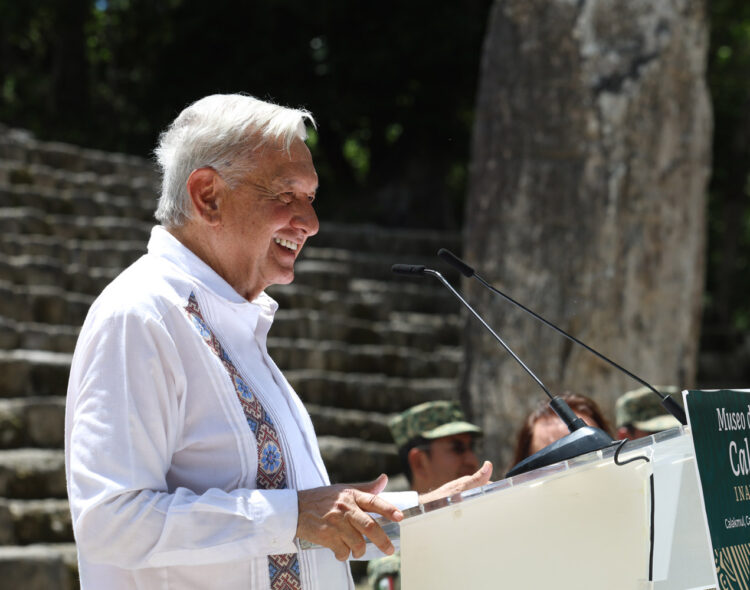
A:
[(542, 426)]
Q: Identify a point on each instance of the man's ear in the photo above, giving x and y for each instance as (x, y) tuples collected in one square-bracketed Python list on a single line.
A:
[(205, 187), (417, 459)]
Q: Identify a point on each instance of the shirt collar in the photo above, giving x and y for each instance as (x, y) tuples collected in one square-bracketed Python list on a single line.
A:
[(164, 245)]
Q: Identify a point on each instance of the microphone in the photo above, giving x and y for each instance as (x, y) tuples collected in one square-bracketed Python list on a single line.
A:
[(667, 402), (582, 438), (408, 269)]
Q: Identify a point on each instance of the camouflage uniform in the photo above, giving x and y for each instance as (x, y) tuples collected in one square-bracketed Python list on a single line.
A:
[(431, 420), (641, 409)]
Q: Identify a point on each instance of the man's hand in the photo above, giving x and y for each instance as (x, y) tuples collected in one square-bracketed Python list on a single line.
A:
[(336, 517), (467, 482)]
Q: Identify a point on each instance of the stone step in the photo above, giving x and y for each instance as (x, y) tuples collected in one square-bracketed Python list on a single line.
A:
[(367, 300), (31, 221), (83, 278), (318, 247), (18, 174), (37, 336), (43, 304), (404, 243), (18, 145), (88, 253), (75, 202), (329, 421), (364, 264), (33, 373), (368, 392), (394, 245), (351, 460), (421, 331), (338, 264), (32, 422), (35, 521), (47, 271), (40, 567), (100, 228), (30, 474), (387, 360), (370, 300), (399, 330)]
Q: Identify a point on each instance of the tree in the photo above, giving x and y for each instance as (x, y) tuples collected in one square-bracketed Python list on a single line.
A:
[(591, 155), (391, 85)]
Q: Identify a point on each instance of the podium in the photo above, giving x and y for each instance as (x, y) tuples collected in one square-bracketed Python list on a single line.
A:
[(607, 520)]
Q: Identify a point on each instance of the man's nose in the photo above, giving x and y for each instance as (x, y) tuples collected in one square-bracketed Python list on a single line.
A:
[(306, 219)]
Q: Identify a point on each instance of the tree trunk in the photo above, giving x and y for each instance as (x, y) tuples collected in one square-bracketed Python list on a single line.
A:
[(587, 199)]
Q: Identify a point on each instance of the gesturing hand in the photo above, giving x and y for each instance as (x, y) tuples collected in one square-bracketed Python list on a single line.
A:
[(467, 482), (336, 517)]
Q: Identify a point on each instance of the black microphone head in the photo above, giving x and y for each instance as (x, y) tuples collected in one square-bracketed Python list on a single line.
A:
[(456, 262), (408, 269)]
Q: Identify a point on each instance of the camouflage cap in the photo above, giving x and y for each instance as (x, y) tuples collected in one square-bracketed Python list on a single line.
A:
[(642, 408), (388, 567), (430, 420)]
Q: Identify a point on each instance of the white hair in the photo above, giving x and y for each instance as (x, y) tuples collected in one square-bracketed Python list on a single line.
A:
[(220, 131)]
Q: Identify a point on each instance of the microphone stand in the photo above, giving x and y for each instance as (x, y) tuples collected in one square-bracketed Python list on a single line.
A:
[(667, 402), (582, 438)]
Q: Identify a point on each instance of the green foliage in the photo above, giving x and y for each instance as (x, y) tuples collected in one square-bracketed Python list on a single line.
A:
[(389, 84), (392, 87), (728, 280)]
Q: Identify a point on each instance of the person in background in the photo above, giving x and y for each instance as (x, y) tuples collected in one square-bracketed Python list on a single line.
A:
[(639, 413), (542, 426), (436, 445)]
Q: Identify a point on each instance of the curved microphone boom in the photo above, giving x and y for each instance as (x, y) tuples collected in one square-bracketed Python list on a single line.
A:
[(667, 402), (582, 438)]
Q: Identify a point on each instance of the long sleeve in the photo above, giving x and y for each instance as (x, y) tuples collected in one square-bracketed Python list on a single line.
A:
[(128, 424)]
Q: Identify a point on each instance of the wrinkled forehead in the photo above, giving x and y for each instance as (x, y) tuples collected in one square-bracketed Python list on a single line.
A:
[(284, 168)]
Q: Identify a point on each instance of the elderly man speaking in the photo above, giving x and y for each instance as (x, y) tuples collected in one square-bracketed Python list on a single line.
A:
[(191, 461)]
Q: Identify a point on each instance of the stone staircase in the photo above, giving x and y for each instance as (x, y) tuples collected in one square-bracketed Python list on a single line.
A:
[(357, 342)]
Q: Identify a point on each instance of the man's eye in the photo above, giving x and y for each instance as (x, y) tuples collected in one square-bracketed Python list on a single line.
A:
[(286, 197)]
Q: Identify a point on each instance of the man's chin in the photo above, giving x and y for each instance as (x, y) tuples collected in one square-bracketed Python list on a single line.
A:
[(284, 278)]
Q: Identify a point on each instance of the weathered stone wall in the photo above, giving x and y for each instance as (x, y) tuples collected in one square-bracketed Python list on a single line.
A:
[(591, 155)]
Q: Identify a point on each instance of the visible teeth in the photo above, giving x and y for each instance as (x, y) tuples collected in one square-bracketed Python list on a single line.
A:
[(286, 243)]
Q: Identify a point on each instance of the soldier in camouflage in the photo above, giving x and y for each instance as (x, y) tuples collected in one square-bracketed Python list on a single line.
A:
[(638, 413), (436, 445)]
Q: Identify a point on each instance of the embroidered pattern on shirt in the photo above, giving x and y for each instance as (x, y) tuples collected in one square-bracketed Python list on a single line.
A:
[(283, 569)]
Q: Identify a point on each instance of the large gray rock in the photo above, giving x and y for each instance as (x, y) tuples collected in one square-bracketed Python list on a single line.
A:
[(591, 155)]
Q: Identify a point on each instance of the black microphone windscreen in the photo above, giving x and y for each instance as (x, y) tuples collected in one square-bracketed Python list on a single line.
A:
[(408, 269), (456, 262)]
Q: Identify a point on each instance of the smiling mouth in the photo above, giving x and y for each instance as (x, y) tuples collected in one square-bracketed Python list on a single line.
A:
[(293, 246)]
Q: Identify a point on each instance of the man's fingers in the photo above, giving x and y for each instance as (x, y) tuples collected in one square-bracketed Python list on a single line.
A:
[(340, 549), (372, 487), (468, 482), (337, 517), (358, 543), (371, 503), (365, 525)]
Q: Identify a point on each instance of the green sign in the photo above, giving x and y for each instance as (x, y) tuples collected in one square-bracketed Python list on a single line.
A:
[(720, 424)]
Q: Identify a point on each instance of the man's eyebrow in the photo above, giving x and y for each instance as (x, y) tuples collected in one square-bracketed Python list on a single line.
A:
[(288, 183)]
